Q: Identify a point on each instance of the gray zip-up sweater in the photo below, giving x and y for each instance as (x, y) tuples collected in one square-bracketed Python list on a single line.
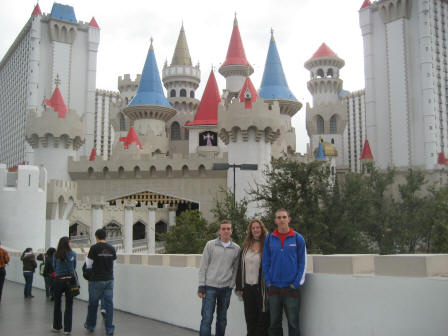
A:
[(218, 265)]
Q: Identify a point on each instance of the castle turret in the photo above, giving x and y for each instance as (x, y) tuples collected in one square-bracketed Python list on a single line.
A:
[(181, 79), (327, 119), (235, 68), (150, 110), (248, 126), (275, 87), (54, 134)]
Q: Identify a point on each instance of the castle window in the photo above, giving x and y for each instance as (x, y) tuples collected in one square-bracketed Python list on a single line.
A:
[(330, 73), (122, 122), (333, 125), (183, 93), (175, 131), (173, 93), (186, 134), (191, 94), (320, 124), (320, 73)]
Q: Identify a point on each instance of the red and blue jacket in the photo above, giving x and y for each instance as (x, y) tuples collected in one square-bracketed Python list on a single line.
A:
[(284, 265)]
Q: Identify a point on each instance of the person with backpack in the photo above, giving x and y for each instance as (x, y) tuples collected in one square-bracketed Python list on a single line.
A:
[(65, 265), (284, 267)]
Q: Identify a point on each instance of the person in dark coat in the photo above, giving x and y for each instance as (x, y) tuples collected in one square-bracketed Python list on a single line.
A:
[(29, 266)]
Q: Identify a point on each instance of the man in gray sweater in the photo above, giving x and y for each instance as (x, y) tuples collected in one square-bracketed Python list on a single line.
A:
[(216, 279)]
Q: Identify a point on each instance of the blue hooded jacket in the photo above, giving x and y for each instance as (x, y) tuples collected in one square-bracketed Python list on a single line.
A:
[(284, 265)]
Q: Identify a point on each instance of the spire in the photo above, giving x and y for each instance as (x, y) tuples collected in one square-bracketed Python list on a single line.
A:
[(320, 153), (131, 138), (235, 52), (93, 23), (207, 113), (150, 90), (273, 84), (36, 10), (92, 154), (366, 152), (57, 101), (324, 51), (365, 4), (248, 94), (181, 53), (442, 159)]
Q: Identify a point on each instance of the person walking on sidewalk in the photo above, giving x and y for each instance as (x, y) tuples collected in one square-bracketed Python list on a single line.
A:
[(101, 284)]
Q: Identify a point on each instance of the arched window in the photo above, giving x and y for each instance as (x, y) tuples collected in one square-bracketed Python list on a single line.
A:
[(333, 124), (191, 94), (330, 73), (173, 93), (320, 124), (183, 93), (138, 231), (186, 133), (175, 131), (320, 73)]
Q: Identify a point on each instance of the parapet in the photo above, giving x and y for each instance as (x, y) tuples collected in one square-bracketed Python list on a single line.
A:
[(125, 83), (27, 177)]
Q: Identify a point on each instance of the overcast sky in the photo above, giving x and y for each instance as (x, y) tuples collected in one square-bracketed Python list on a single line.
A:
[(300, 27)]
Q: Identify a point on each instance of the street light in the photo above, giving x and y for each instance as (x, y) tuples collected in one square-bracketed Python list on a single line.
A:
[(226, 166)]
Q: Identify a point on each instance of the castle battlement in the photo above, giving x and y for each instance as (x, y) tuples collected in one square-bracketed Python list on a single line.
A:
[(125, 83), (58, 188)]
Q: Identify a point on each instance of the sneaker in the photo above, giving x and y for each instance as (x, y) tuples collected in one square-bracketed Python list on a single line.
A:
[(56, 330), (103, 313), (66, 332)]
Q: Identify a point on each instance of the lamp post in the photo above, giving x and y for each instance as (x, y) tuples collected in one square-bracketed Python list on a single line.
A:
[(226, 166)]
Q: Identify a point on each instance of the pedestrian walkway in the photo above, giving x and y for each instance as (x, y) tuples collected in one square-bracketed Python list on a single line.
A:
[(19, 316)]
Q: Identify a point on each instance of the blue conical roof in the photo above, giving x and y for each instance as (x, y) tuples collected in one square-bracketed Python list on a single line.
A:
[(273, 84), (320, 153), (150, 90)]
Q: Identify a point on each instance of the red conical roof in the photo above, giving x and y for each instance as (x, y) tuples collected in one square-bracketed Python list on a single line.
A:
[(92, 154), (131, 138), (36, 10), (248, 94), (365, 4), (207, 113), (93, 23), (442, 159), (324, 51), (57, 103), (366, 152), (235, 53)]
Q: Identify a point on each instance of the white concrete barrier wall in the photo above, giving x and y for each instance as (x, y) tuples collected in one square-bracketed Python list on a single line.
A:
[(332, 304)]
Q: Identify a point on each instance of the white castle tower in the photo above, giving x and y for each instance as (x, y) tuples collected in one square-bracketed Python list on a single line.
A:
[(54, 133), (248, 126), (181, 79), (327, 119)]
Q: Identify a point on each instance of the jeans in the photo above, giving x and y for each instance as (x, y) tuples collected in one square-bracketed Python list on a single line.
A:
[(28, 283), (60, 286), (98, 290), (289, 300), (48, 286), (2, 280), (257, 321), (219, 297)]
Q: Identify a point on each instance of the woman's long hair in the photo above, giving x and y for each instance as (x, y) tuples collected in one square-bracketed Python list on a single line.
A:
[(63, 248), (249, 237)]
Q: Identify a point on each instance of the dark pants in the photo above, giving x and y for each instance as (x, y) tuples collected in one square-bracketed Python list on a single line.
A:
[(2, 280), (28, 283), (49, 286), (219, 297), (257, 321), (289, 300), (60, 286)]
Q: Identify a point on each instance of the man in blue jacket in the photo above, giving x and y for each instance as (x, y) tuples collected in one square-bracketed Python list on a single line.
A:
[(284, 266)]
